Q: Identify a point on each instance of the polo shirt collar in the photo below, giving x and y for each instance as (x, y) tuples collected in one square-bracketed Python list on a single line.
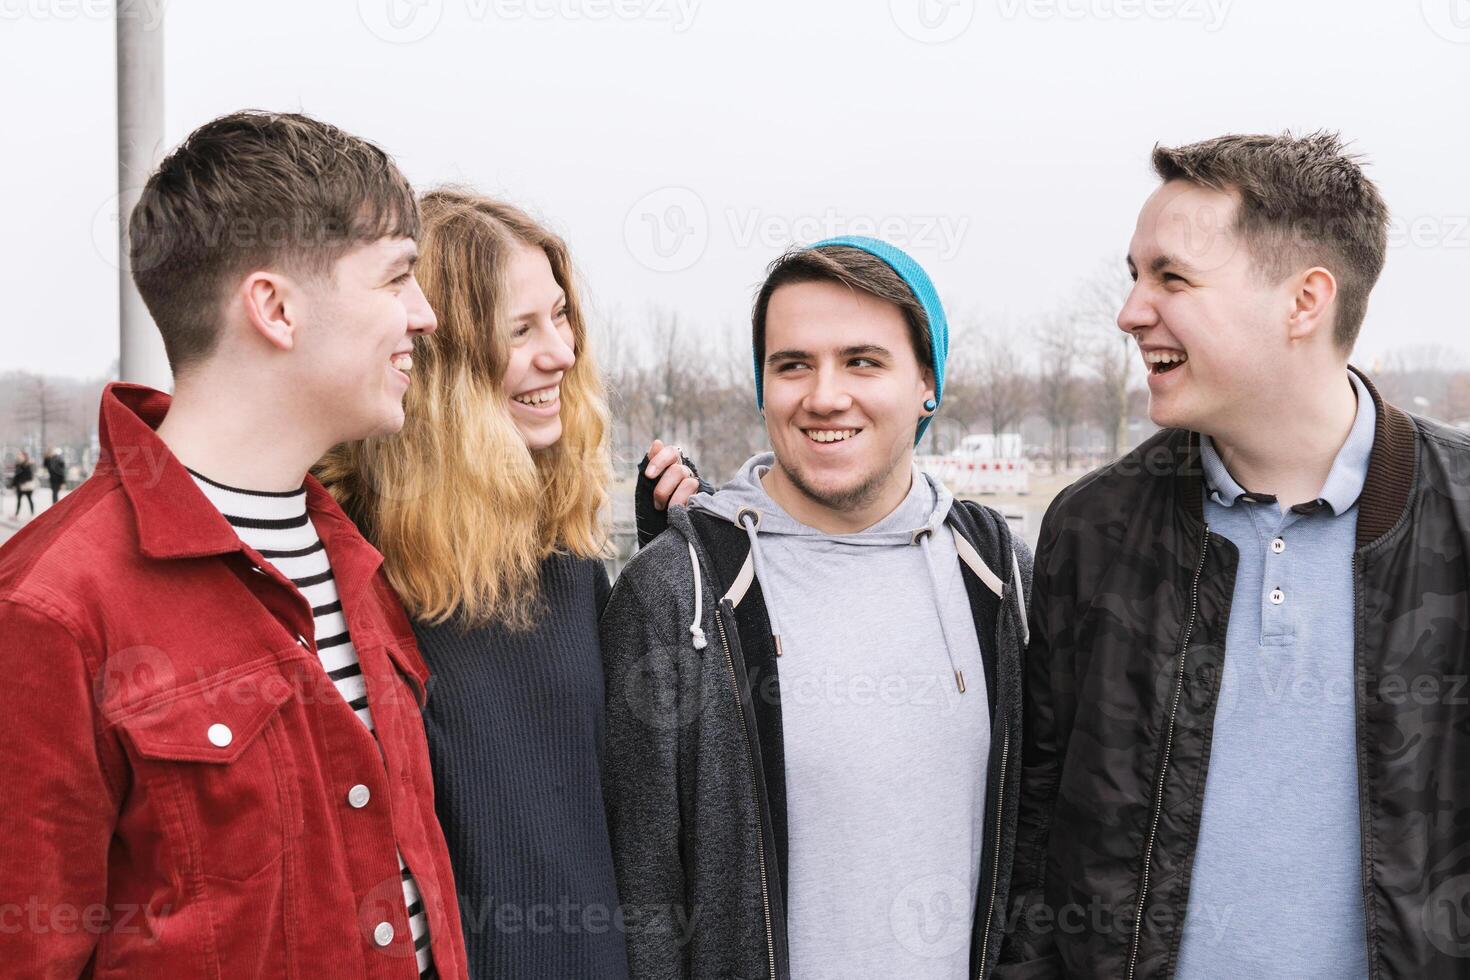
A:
[(1344, 481)]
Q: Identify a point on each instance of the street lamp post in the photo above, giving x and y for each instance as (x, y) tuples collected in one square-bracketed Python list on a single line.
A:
[(139, 145)]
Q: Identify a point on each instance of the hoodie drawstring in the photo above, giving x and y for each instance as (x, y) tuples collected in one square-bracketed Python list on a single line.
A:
[(922, 537), (695, 629), (751, 527)]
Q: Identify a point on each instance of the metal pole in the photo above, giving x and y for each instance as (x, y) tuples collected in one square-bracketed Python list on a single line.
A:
[(139, 147)]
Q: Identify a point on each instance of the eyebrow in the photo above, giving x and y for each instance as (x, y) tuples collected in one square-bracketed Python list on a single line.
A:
[(860, 350), (1161, 262), (866, 350), (404, 260), (561, 297)]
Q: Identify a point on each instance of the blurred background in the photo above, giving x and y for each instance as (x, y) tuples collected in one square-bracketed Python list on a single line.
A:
[(680, 145)]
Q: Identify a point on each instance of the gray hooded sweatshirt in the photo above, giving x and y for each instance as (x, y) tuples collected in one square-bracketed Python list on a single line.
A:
[(713, 807), (885, 756)]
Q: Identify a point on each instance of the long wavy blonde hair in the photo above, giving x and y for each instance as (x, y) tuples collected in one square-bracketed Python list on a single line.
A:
[(463, 512)]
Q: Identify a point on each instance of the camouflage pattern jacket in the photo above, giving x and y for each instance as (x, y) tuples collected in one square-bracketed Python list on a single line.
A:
[(1132, 596)]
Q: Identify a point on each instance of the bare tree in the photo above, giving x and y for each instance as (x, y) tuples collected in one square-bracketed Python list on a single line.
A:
[(1005, 388), (1421, 378), (1107, 354), (43, 407), (1058, 389)]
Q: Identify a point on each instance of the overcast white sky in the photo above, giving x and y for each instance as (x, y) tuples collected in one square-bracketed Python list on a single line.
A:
[(680, 144)]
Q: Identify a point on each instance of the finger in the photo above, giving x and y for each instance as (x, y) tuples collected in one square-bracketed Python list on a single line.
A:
[(653, 451), (663, 491), (687, 489), (667, 457)]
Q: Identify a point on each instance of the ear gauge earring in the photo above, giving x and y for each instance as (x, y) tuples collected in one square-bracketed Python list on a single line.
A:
[(930, 404)]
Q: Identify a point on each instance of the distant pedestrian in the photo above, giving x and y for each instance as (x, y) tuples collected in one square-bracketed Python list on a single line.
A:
[(55, 465), (24, 481)]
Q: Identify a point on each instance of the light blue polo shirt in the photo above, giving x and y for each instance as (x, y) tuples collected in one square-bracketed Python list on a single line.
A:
[(1277, 888)]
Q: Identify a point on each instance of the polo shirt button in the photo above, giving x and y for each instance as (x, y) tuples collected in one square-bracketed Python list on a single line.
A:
[(358, 796), (220, 735), (1279, 545), (383, 933), (1277, 597)]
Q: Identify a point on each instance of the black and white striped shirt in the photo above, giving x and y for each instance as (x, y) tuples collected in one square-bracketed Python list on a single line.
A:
[(277, 525)]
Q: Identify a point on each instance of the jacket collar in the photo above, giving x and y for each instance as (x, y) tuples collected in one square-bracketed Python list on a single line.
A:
[(1385, 489), (175, 519)]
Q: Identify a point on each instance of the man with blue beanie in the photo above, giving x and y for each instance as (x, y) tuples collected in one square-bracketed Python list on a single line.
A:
[(813, 677)]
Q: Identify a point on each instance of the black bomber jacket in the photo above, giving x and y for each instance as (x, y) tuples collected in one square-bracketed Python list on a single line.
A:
[(1131, 601)]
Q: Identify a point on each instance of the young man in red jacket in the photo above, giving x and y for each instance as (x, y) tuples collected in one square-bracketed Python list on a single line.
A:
[(213, 763)]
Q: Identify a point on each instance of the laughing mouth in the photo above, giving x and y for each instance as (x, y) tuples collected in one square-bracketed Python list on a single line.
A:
[(830, 435), (402, 362), (1164, 361), (542, 396)]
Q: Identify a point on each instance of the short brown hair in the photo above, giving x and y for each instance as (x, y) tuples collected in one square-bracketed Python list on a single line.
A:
[(250, 190), (1303, 200), (850, 267)]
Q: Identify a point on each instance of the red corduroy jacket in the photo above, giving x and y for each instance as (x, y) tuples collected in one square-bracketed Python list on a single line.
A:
[(174, 763)]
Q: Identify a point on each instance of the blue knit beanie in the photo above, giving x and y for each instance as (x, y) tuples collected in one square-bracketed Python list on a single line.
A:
[(918, 282)]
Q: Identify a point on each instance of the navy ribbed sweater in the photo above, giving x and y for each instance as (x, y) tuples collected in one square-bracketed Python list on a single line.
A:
[(515, 727)]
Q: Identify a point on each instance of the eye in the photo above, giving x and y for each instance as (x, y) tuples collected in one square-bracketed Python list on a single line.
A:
[(789, 366), (403, 279), (523, 330), (864, 362), (560, 314), (1172, 278)]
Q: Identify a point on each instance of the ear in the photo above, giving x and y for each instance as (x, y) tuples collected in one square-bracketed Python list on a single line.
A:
[(1312, 310), (263, 296), (928, 379)]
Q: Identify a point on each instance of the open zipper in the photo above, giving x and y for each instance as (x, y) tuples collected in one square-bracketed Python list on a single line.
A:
[(1158, 804), (760, 842), (1000, 804)]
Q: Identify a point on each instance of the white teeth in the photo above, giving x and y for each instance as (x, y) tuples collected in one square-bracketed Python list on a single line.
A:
[(403, 362), (1165, 356), (830, 435), (539, 397)]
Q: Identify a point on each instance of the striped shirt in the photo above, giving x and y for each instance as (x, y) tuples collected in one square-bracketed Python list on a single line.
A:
[(277, 525)]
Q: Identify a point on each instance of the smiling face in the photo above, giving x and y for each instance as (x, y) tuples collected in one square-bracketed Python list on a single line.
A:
[(843, 394), (542, 346), (358, 339), (1212, 330)]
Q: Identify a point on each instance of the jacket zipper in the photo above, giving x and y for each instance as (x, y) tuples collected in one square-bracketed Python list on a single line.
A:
[(1000, 804), (1158, 805), (1363, 817), (760, 845)]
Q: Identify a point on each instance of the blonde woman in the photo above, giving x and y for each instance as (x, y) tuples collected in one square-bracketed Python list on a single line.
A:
[(488, 510)]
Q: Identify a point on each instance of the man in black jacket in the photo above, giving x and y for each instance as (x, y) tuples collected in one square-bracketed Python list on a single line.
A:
[(1247, 746), (55, 473)]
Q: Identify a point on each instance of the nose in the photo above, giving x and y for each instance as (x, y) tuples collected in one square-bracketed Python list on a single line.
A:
[(555, 351), (1138, 311), (421, 318), (828, 396)]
